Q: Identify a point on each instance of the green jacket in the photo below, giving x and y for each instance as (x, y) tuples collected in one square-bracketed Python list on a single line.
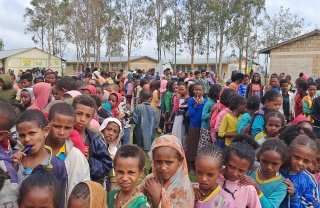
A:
[(7, 93)]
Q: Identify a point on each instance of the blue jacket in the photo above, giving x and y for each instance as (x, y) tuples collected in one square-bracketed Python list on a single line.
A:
[(8, 163), (195, 112), (99, 160), (306, 192)]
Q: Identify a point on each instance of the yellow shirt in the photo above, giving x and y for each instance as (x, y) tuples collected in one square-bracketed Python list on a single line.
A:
[(62, 152), (154, 100), (229, 124)]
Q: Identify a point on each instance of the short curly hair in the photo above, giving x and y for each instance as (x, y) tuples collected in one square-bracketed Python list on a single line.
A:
[(85, 100)]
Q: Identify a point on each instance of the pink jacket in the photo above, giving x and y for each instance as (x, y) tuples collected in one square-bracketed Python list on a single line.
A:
[(176, 103), (219, 118)]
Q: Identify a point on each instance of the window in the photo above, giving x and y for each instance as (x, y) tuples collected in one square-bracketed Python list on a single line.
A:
[(183, 68), (213, 68), (178, 68), (199, 68), (189, 68)]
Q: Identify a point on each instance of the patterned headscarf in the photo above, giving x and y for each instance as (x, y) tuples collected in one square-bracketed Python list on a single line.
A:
[(177, 191)]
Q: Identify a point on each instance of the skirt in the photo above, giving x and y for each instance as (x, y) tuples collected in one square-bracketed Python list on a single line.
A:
[(178, 128), (205, 138), (191, 143)]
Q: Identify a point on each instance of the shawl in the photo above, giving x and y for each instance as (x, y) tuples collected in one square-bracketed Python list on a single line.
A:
[(97, 195), (91, 89), (112, 146), (42, 93), (177, 191)]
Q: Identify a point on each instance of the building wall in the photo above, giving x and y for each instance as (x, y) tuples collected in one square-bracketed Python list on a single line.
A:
[(296, 57), (31, 59)]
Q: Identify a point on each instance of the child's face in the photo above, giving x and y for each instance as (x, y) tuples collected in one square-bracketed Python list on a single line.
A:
[(197, 76), (57, 93), (208, 171), (203, 74), (113, 100), (300, 158), (256, 77), (273, 126), (274, 104), (25, 83), (236, 168), (198, 90), (270, 163), (127, 173), (84, 115), (61, 127), (182, 90), (284, 87), (31, 134), (166, 162), (316, 163), (146, 87), (110, 89), (86, 92), (25, 98), (99, 92), (312, 90), (274, 82), (245, 81), (38, 197), (242, 108), (175, 88), (52, 79), (111, 132)]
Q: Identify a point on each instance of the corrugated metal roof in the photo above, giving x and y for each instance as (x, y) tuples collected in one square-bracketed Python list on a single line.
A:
[(204, 60), (7, 53), (112, 59)]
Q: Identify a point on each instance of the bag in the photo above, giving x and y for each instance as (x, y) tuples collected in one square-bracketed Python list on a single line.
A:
[(258, 112)]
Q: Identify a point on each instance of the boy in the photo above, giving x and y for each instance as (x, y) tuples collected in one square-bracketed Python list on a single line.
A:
[(128, 88), (7, 93), (197, 75), (243, 86), (144, 115), (9, 192), (64, 85), (307, 100), (61, 120), (167, 74), (236, 80), (302, 87), (52, 78), (288, 100), (25, 82), (204, 80), (96, 150)]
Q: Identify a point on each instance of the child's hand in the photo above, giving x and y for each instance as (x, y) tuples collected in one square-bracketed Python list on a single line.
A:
[(290, 186), (198, 194), (153, 189), (16, 157), (247, 180), (112, 186), (213, 108)]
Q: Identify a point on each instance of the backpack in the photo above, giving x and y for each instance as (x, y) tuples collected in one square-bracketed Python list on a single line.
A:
[(258, 112)]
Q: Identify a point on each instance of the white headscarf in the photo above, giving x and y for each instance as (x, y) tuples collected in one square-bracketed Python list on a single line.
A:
[(112, 146)]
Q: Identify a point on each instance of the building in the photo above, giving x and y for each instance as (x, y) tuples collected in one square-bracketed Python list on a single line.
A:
[(28, 58), (301, 54), (116, 63)]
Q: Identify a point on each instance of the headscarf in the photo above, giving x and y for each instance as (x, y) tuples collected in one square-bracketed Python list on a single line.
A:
[(177, 191), (91, 89), (300, 118), (98, 196), (211, 80), (42, 93), (97, 74), (113, 110), (112, 146), (73, 93), (30, 91)]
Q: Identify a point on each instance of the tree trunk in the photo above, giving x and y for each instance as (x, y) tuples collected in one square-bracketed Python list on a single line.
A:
[(192, 53), (240, 58), (208, 46), (221, 51)]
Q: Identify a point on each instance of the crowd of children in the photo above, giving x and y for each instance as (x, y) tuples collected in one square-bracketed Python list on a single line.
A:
[(68, 142)]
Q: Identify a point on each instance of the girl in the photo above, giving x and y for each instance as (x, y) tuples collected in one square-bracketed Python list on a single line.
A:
[(111, 129), (271, 100), (180, 102), (316, 164), (155, 86), (274, 121), (88, 194), (229, 123), (32, 130), (168, 106), (195, 107), (289, 133), (42, 94), (273, 83), (168, 185), (302, 187), (27, 97), (115, 100), (40, 189), (205, 137), (209, 166), (255, 87), (253, 104), (266, 179), (307, 100), (239, 158)]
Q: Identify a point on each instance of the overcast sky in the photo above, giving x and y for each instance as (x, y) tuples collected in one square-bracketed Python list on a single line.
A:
[(12, 24)]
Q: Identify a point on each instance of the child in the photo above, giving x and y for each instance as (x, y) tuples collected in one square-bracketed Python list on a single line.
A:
[(302, 187), (253, 104), (168, 185), (64, 85), (273, 83), (289, 133), (236, 80), (307, 100), (168, 106), (25, 82), (209, 167), (32, 129), (96, 150), (88, 194), (27, 97), (155, 86), (239, 159), (114, 100), (274, 121), (271, 100), (205, 137), (8, 176), (61, 121), (316, 164), (288, 100), (129, 89), (7, 93), (144, 115), (42, 94), (180, 106), (129, 160), (229, 123), (195, 107), (111, 129), (52, 78), (255, 87), (40, 189), (99, 91), (266, 179), (302, 86), (243, 86)]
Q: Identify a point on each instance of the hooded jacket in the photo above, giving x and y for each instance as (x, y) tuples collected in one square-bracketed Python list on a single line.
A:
[(42, 93), (119, 99), (7, 93)]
